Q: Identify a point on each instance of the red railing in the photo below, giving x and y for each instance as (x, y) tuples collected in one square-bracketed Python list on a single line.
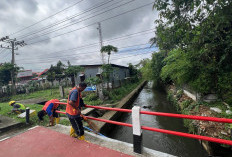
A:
[(199, 137)]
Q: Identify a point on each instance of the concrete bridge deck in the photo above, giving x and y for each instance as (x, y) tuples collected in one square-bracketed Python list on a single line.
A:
[(55, 141), (42, 141)]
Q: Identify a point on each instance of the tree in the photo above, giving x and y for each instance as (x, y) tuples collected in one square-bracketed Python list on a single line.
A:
[(51, 75), (195, 36), (6, 71), (71, 71), (133, 72), (59, 71), (108, 49), (107, 69)]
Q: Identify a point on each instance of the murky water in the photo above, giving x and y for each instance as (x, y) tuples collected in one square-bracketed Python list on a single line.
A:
[(175, 145)]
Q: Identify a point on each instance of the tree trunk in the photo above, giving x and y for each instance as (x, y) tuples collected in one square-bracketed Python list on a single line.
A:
[(73, 81), (109, 59)]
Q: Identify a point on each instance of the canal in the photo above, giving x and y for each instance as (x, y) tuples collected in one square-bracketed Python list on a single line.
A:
[(175, 145)]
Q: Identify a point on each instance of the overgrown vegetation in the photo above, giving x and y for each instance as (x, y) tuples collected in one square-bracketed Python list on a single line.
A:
[(194, 39), (117, 94)]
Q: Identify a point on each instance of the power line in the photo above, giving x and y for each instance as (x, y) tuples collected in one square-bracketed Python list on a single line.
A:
[(6, 55), (66, 19), (73, 56), (47, 17), (96, 43), (63, 27), (90, 52), (86, 53), (93, 23), (120, 57)]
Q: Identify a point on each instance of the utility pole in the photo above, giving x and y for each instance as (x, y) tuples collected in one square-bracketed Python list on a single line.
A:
[(100, 40), (13, 45)]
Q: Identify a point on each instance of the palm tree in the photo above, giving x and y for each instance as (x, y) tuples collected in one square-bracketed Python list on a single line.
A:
[(108, 49)]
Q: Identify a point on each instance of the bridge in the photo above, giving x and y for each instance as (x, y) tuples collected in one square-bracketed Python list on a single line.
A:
[(43, 141)]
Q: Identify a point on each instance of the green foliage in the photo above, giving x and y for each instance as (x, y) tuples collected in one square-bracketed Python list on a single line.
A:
[(172, 99), (108, 49), (152, 68), (156, 66), (71, 71), (56, 72), (117, 94), (51, 75), (188, 124), (146, 70), (196, 38), (93, 80), (107, 69), (134, 73), (5, 72), (91, 97), (179, 94)]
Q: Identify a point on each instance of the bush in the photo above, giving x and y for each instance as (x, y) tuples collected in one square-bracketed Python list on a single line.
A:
[(91, 97), (172, 99), (179, 94), (186, 103)]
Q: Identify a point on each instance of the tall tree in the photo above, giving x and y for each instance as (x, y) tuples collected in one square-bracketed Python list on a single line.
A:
[(51, 75), (196, 36), (72, 71), (108, 49), (59, 70), (6, 70)]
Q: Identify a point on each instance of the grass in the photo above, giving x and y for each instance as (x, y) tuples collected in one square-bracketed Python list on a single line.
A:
[(117, 94), (5, 109), (89, 98), (44, 94)]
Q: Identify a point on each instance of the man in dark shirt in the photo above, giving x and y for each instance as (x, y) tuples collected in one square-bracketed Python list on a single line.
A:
[(73, 110)]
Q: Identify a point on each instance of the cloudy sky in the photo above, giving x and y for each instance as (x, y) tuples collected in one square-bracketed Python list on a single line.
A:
[(67, 30)]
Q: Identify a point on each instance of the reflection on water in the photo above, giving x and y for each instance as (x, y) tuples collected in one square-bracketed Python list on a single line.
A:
[(175, 145)]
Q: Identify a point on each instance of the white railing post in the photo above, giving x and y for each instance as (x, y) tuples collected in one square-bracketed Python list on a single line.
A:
[(137, 131)]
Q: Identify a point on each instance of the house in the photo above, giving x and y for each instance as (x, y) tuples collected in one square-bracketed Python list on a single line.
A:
[(40, 74), (24, 76), (119, 72)]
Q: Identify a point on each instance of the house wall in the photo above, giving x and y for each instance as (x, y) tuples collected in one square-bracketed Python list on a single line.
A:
[(118, 73)]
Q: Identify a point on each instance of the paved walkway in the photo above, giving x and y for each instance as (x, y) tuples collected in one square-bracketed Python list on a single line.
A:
[(45, 142), (7, 123)]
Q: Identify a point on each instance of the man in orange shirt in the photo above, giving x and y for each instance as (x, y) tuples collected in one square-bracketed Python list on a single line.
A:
[(49, 108), (73, 109)]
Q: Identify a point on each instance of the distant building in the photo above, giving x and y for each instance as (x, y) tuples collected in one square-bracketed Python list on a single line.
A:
[(119, 72), (40, 74), (24, 76)]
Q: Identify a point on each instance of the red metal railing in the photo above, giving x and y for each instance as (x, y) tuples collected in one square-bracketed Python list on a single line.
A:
[(211, 139)]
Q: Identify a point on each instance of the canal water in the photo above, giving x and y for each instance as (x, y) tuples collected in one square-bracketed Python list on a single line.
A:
[(175, 145)]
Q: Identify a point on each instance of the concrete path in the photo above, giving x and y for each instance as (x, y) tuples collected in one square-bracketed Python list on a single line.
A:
[(45, 142), (116, 145), (7, 123), (33, 101)]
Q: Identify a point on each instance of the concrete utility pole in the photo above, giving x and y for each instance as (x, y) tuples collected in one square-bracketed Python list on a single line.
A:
[(13, 45), (101, 41)]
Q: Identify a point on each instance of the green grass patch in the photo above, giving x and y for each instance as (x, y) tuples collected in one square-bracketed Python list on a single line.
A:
[(45, 94), (119, 93), (90, 98), (5, 109)]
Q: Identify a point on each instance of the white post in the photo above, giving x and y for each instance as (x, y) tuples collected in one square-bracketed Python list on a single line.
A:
[(137, 131)]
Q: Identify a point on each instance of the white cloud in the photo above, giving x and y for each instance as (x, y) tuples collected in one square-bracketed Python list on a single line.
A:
[(17, 15)]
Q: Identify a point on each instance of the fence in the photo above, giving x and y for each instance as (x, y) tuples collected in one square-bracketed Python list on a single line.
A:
[(137, 128)]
